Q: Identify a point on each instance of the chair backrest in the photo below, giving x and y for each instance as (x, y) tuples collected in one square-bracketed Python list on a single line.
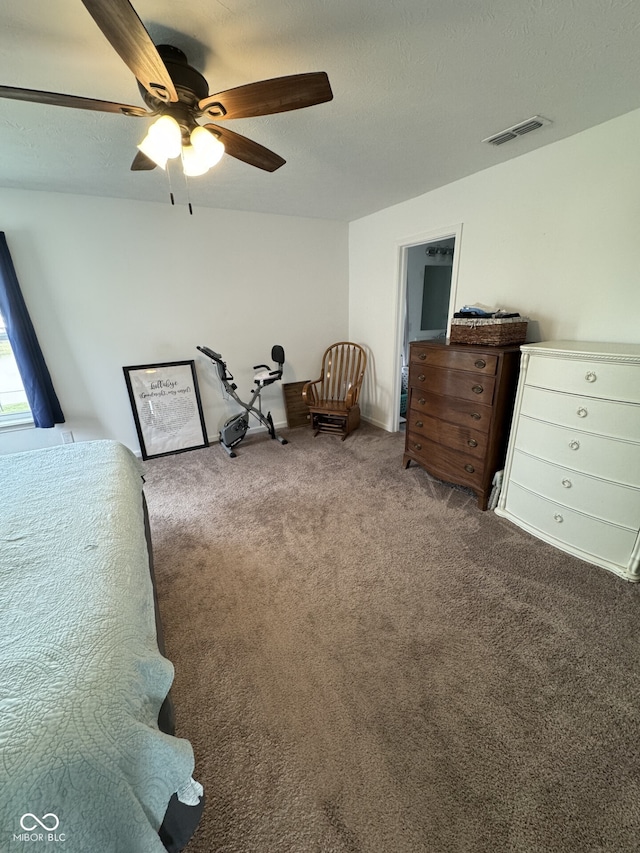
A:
[(343, 366)]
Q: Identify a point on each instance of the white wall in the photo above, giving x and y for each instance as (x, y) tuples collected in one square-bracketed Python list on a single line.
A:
[(110, 283), (554, 234)]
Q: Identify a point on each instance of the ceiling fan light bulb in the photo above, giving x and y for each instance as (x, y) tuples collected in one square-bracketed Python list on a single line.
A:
[(153, 151), (163, 141), (207, 145), (193, 163), (167, 134)]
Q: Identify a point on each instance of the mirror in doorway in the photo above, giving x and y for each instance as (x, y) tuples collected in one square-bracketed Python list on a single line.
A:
[(428, 299), (435, 298)]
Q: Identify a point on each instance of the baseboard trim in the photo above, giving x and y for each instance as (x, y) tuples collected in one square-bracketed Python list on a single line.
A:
[(376, 423)]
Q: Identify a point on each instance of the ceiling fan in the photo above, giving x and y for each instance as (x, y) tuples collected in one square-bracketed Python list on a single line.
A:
[(179, 95)]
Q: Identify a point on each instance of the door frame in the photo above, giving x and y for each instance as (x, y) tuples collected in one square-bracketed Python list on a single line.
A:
[(402, 249)]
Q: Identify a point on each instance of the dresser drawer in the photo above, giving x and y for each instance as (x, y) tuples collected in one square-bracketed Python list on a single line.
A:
[(601, 498), (470, 441), (447, 464), (461, 412), (620, 420), (454, 359), (608, 381), (452, 383), (567, 527), (459, 404), (598, 455)]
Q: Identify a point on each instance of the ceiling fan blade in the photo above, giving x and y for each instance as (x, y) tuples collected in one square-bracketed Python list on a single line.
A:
[(56, 100), (246, 150), (126, 33), (142, 163), (269, 96)]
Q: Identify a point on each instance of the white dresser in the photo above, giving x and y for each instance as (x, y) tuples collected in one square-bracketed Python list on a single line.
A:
[(572, 474)]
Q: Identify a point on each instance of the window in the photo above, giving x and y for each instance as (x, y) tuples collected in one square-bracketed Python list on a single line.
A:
[(24, 349), (14, 408)]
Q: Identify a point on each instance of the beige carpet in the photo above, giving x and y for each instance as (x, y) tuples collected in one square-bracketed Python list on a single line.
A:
[(365, 663)]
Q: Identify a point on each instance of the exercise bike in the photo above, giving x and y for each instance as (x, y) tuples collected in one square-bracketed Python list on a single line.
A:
[(235, 429)]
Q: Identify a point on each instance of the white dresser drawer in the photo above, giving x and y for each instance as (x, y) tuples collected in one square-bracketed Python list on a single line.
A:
[(608, 501), (572, 472), (598, 455), (608, 381), (620, 420), (562, 527)]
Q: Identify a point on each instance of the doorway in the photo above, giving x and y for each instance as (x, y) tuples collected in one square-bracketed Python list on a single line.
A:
[(427, 294)]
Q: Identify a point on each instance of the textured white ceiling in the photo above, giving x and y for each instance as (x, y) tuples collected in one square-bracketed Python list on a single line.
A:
[(417, 85)]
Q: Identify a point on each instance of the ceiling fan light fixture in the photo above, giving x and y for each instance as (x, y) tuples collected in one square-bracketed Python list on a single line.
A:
[(193, 163), (207, 145), (163, 141), (205, 151)]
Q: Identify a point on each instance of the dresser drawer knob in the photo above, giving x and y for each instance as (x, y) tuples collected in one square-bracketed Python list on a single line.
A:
[(480, 363), (472, 442), (417, 447), (590, 376), (419, 423), (422, 356), (475, 416), (469, 469), (567, 483), (477, 389), (557, 517), (422, 401), (574, 445), (421, 377), (582, 412)]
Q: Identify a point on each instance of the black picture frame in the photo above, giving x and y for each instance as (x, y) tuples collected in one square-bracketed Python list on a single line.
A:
[(166, 406)]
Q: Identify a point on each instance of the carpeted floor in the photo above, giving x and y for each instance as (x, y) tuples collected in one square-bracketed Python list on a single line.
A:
[(365, 663)]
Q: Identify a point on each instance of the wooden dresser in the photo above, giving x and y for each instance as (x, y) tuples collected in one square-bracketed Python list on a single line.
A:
[(459, 411), (572, 475)]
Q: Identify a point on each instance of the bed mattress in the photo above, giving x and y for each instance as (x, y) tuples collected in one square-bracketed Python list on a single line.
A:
[(82, 761)]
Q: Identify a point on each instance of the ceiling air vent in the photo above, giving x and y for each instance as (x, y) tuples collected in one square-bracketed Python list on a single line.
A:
[(533, 123)]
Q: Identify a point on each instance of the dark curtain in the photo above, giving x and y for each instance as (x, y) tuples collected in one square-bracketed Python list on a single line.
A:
[(24, 343)]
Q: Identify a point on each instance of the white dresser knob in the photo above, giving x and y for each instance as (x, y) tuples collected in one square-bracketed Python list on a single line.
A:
[(567, 483), (574, 445), (590, 376), (557, 517), (582, 412)]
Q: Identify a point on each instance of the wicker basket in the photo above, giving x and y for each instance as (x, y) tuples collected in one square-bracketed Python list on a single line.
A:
[(489, 331)]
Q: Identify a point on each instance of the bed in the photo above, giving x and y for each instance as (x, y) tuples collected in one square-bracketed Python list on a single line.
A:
[(88, 755)]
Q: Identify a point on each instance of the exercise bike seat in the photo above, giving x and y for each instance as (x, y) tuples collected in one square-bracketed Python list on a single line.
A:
[(266, 377)]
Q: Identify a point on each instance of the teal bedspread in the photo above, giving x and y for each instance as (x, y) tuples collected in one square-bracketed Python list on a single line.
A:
[(83, 766)]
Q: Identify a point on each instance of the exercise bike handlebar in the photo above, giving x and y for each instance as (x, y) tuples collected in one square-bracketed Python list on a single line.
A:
[(277, 353), (216, 356)]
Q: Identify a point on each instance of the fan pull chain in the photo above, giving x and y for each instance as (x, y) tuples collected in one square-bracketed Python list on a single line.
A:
[(168, 171), (186, 181)]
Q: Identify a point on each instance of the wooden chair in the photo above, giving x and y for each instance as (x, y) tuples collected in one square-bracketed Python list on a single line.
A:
[(333, 398)]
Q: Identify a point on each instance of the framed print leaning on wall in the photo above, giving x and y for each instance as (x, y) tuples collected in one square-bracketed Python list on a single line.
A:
[(167, 411)]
